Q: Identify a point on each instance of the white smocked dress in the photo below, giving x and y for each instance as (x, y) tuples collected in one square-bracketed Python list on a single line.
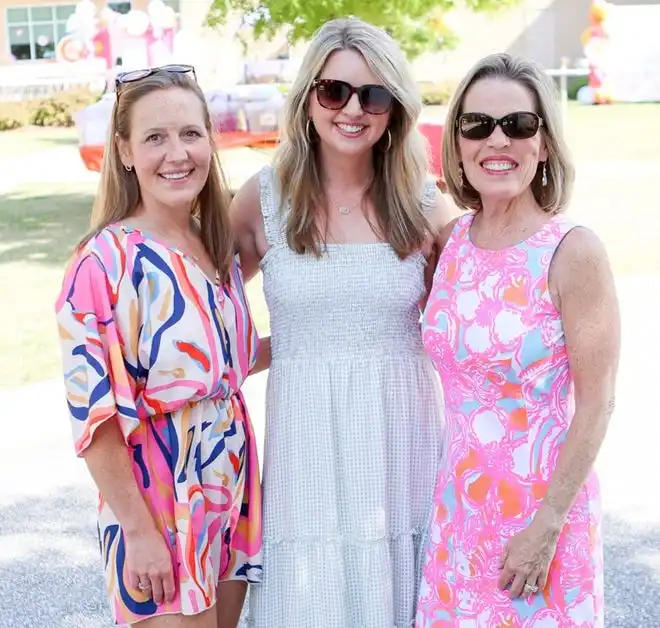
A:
[(353, 433)]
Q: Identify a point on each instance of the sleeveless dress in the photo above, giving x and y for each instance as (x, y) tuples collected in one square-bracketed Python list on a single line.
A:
[(353, 433), (497, 341), (148, 338)]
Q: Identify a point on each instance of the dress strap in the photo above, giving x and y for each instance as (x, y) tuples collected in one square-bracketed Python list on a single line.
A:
[(459, 232), (271, 209), (550, 237)]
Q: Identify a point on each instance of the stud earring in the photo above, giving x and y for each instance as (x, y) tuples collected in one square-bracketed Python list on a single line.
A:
[(128, 168)]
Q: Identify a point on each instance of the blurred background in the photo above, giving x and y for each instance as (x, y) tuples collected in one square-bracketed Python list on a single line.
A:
[(58, 62)]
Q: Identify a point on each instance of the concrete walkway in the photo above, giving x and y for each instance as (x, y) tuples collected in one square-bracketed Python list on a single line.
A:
[(49, 565)]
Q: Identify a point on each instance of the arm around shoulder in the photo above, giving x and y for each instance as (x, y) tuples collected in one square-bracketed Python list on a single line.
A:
[(249, 226), (442, 222), (442, 217), (443, 235)]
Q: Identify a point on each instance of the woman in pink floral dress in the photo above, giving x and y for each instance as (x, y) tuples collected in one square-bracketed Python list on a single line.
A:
[(522, 324)]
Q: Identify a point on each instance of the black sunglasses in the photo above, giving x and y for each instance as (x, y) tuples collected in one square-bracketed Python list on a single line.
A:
[(137, 75), (334, 94), (520, 125)]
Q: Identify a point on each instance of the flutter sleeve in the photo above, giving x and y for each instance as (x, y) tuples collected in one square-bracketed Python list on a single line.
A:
[(97, 381)]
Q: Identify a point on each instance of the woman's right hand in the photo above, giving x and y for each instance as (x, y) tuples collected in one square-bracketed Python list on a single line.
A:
[(149, 565)]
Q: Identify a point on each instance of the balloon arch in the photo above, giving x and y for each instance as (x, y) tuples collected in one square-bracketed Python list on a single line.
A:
[(595, 41), (138, 38)]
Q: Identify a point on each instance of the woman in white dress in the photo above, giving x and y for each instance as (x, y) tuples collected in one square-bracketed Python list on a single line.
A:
[(341, 227)]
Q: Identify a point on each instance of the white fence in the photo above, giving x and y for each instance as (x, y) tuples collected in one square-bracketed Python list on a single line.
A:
[(28, 81), (563, 73)]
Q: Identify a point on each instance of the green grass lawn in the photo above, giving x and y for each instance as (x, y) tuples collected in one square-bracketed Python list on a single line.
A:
[(39, 225), (626, 131), (28, 140), (617, 149)]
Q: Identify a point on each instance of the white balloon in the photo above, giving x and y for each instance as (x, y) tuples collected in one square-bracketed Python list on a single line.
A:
[(86, 9), (136, 23), (108, 15), (155, 8), (585, 95), (73, 23), (168, 19)]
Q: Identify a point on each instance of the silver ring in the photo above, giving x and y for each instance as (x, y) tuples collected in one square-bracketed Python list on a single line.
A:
[(530, 589), (144, 587)]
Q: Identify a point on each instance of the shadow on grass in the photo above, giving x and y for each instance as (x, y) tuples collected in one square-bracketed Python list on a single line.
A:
[(33, 139), (41, 223), (62, 140)]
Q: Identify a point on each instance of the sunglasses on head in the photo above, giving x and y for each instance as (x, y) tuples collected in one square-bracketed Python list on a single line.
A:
[(520, 125), (137, 75), (334, 94)]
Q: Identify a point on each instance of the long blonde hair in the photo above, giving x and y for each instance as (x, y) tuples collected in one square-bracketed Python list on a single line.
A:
[(119, 190), (400, 170), (552, 197)]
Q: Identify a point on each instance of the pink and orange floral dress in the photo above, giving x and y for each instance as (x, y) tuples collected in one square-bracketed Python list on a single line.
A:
[(149, 339), (498, 343)]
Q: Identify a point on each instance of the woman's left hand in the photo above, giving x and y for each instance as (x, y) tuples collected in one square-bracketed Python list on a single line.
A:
[(527, 557)]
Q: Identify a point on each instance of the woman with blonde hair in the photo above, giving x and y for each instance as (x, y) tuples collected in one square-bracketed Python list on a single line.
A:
[(339, 226), (156, 340), (522, 323)]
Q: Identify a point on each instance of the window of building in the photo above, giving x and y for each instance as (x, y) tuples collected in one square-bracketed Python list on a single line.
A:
[(174, 4), (35, 31), (120, 7)]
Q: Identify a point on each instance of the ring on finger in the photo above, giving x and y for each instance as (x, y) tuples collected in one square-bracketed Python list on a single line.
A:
[(530, 589), (144, 586)]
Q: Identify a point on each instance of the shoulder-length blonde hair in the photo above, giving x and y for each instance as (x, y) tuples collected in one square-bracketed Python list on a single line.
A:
[(399, 170), (554, 196), (119, 190)]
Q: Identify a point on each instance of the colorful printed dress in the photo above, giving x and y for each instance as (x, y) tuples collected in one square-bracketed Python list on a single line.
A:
[(498, 343), (148, 338)]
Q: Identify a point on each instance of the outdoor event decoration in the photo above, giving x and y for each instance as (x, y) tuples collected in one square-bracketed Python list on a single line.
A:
[(81, 30), (622, 49), (632, 56), (138, 38), (596, 42)]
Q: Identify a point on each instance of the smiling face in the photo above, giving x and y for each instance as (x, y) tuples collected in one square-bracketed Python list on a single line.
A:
[(499, 168), (169, 147), (349, 130)]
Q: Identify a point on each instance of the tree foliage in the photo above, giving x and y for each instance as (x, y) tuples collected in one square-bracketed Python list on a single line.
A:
[(417, 25)]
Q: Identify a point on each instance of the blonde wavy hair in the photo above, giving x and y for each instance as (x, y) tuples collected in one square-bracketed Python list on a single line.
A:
[(119, 196), (399, 171), (551, 198)]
